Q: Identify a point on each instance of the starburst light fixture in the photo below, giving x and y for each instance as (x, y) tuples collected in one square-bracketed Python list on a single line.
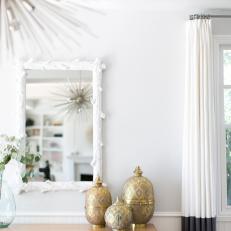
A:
[(74, 99), (32, 27)]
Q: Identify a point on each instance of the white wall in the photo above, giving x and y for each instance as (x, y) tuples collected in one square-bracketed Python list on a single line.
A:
[(143, 98)]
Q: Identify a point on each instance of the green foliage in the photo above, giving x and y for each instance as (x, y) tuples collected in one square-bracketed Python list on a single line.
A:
[(228, 162), (2, 167), (25, 178), (10, 148), (227, 57), (227, 106), (6, 159), (29, 159)]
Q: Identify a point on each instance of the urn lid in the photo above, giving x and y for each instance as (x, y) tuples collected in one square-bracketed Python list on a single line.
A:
[(98, 182), (138, 189), (119, 202), (98, 195)]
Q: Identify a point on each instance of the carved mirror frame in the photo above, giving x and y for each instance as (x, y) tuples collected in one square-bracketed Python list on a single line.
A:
[(96, 67)]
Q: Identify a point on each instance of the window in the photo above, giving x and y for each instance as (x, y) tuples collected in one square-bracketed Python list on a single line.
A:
[(226, 63), (222, 74)]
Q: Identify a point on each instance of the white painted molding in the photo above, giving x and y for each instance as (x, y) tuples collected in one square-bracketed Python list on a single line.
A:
[(96, 67), (72, 218), (224, 218), (50, 218), (223, 211), (50, 186), (168, 214)]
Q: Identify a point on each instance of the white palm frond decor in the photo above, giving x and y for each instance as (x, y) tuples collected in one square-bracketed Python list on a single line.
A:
[(33, 27)]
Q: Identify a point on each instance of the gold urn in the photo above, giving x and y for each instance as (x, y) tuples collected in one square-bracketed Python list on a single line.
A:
[(138, 194), (119, 216), (98, 199)]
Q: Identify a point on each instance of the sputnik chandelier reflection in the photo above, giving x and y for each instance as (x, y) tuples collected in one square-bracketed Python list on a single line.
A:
[(75, 98), (33, 27)]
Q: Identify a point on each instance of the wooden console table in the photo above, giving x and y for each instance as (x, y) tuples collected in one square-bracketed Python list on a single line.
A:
[(62, 227)]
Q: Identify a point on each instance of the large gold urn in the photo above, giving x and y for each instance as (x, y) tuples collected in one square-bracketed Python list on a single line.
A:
[(139, 195), (98, 199)]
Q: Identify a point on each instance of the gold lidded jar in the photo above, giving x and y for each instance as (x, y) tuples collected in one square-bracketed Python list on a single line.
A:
[(138, 193), (119, 216), (98, 199)]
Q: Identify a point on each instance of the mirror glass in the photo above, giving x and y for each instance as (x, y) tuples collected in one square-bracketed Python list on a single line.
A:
[(59, 125)]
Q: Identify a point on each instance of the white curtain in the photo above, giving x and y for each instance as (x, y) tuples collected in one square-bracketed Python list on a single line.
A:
[(199, 142)]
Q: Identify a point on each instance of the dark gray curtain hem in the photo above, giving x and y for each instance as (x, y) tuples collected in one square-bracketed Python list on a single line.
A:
[(198, 224)]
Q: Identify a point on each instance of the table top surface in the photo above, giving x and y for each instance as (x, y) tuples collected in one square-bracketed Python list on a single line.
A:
[(66, 227)]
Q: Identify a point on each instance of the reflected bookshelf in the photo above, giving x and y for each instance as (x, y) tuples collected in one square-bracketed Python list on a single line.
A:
[(45, 136)]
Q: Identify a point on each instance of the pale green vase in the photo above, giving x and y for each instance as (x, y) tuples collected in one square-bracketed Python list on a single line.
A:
[(7, 204)]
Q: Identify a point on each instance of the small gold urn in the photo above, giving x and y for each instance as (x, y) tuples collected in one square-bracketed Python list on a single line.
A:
[(98, 199), (138, 194), (119, 216)]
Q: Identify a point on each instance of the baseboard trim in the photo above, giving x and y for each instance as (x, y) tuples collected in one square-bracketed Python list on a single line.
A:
[(71, 218), (167, 214), (224, 218)]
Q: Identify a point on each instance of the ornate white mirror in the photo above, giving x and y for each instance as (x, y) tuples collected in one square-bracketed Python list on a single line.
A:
[(61, 119)]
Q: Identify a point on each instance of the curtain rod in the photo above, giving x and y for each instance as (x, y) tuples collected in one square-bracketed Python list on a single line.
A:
[(207, 16)]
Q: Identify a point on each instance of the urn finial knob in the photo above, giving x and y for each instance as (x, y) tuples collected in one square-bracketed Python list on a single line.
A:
[(117, 199), (98, 182), (138, 171)]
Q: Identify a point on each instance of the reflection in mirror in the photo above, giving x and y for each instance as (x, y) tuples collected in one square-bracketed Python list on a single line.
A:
[(59, 125)]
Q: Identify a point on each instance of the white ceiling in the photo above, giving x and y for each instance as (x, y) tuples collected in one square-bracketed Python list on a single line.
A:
[(159, 4)]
